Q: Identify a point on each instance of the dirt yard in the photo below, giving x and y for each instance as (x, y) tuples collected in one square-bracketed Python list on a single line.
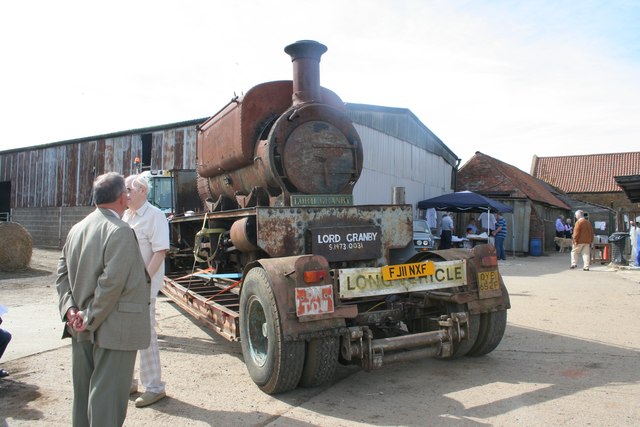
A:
[(570, 356)]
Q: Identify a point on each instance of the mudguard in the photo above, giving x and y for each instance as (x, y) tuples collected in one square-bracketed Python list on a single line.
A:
[(285, 275)]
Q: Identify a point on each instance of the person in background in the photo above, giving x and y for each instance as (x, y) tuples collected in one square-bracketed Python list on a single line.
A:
[(500, 234), (447, 231), (468, 244), (5, 337), (487, 223), (638, 254), (637, 246), (582, 241), (432, 218), (473, 226), (103, 292), (559, 229), (152, 230), (568, 229), (633, 237)]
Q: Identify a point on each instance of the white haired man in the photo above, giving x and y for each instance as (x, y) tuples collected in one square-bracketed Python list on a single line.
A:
[(152, 230), (582, 241)]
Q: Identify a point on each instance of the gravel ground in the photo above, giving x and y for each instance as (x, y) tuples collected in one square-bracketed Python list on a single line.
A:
[(570, 356)]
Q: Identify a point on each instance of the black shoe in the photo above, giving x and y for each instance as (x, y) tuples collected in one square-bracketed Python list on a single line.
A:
[(572, 267), (585, 269), (3, 373)]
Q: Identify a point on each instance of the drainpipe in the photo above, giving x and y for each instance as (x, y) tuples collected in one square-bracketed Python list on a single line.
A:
[(455, 175)]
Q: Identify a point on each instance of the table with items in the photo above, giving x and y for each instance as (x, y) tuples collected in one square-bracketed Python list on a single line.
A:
[(477, 239)]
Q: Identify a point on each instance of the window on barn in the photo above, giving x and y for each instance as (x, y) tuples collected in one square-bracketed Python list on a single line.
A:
[(5, 201), (146, 151)]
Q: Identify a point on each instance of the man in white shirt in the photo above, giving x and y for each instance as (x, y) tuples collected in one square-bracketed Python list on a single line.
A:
[(487, 222), (152, 231)]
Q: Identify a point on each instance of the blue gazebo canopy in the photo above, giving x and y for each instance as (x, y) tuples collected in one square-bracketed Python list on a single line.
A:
[(464, 201)]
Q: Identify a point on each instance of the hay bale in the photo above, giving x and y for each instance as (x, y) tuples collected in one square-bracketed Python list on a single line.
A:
[(16, 247)]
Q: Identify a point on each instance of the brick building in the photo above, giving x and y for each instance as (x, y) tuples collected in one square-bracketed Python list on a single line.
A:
[(535, 204), (592, 178)]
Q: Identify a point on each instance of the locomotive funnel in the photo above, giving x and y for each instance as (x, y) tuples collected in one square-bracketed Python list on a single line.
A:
[(305, 55)]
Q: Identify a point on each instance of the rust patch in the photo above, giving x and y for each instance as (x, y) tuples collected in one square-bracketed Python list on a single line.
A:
[(574, 373)]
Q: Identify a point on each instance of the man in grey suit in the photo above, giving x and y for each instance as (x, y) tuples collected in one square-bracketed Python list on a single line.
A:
[(104, 298)]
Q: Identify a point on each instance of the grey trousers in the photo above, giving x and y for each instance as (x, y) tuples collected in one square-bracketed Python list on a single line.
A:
[(101, 381)]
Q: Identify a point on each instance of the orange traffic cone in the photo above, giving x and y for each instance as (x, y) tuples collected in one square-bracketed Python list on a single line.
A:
[(605, 254)]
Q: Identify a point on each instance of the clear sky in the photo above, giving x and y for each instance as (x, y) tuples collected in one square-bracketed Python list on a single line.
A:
[(511, 79)]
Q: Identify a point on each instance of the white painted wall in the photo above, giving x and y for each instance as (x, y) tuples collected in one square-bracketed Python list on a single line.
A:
[(391, 162)]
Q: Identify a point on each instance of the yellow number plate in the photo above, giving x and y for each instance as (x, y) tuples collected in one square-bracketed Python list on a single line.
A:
[(405, 271), (488, 281)]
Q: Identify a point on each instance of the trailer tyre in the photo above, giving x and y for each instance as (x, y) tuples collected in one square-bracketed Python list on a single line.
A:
[(275, 365), (320, 362), (492, 327)]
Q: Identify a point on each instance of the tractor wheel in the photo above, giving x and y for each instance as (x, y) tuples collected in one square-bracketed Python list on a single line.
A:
[(492, 326), (275, 365), (320, 362)]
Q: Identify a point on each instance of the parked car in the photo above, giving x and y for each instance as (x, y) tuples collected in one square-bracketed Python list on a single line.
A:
[(423, 239)]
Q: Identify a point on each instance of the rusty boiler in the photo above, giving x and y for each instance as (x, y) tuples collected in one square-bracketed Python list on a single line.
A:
[(281, 138)]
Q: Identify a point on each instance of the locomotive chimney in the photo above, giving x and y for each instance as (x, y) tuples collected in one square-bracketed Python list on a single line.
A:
[(305, 55)]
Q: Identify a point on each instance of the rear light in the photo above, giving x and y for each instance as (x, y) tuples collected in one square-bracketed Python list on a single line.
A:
[(314, 276), (489, 261)]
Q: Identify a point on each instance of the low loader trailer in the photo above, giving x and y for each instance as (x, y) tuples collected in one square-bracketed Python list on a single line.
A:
[(282, 260), (299, 316)]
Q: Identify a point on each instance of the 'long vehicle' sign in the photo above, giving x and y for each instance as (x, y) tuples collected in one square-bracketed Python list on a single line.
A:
[(362, 282)]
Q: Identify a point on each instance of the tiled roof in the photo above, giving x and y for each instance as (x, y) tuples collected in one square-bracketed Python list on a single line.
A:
[(591, 173), (485, 175)]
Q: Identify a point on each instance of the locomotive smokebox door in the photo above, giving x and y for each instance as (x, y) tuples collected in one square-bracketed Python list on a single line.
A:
[(349, 243), (320, 150), (318, 155)]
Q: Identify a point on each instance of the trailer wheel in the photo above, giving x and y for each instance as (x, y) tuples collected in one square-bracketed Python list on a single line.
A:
[(492, 326), (275, 365), (320, 362)]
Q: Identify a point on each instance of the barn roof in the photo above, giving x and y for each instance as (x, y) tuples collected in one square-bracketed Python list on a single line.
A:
[(149, 129), (401, 123), (590, 173), (489, 176)]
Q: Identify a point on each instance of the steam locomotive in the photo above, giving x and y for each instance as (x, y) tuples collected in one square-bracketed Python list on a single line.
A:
[(283, 261)]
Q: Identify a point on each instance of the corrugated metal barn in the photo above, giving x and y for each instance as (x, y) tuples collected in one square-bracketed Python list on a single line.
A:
[(47, 188), (400, 151)]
